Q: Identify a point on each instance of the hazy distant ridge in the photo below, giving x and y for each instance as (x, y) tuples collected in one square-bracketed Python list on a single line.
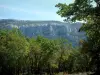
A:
[(49, 29)]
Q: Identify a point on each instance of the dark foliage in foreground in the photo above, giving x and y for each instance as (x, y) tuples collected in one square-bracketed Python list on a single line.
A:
[(89, 12), (26, 56)]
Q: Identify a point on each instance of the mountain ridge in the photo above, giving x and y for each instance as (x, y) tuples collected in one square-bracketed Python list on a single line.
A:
[(48, 29)]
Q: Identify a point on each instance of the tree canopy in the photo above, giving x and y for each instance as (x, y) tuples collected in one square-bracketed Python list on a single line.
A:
[(21, 55), (89, 12)]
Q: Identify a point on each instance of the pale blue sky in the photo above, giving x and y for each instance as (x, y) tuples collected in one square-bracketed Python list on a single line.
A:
[(30, 9)]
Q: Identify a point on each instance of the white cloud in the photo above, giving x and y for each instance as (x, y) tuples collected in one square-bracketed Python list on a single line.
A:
[(41, 13), (38, 12)]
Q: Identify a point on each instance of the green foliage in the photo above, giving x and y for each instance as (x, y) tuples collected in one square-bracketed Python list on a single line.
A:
[(21, 55), (79, 10), (13, 48), (84, 10)]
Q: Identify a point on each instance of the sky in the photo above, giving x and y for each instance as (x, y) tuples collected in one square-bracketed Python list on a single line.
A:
[(30, 9)]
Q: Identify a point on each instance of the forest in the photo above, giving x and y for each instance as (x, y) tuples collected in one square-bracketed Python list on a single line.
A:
[(20, 55), (26, 56)]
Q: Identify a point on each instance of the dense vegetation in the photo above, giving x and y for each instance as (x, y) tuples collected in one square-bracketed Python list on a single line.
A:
[(26, 56), (89, 12)]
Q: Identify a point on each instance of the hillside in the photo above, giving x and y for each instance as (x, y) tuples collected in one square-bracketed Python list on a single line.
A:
[(48, 29)]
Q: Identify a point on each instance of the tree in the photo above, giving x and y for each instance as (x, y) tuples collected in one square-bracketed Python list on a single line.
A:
[(13, 48), (48, 50), (85, 10)]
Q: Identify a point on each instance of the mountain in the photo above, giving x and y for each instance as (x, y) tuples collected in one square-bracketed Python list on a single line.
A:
[(48, 29)]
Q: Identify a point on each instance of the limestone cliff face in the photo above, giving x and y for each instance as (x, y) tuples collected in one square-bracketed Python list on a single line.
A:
[(48, 29)]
